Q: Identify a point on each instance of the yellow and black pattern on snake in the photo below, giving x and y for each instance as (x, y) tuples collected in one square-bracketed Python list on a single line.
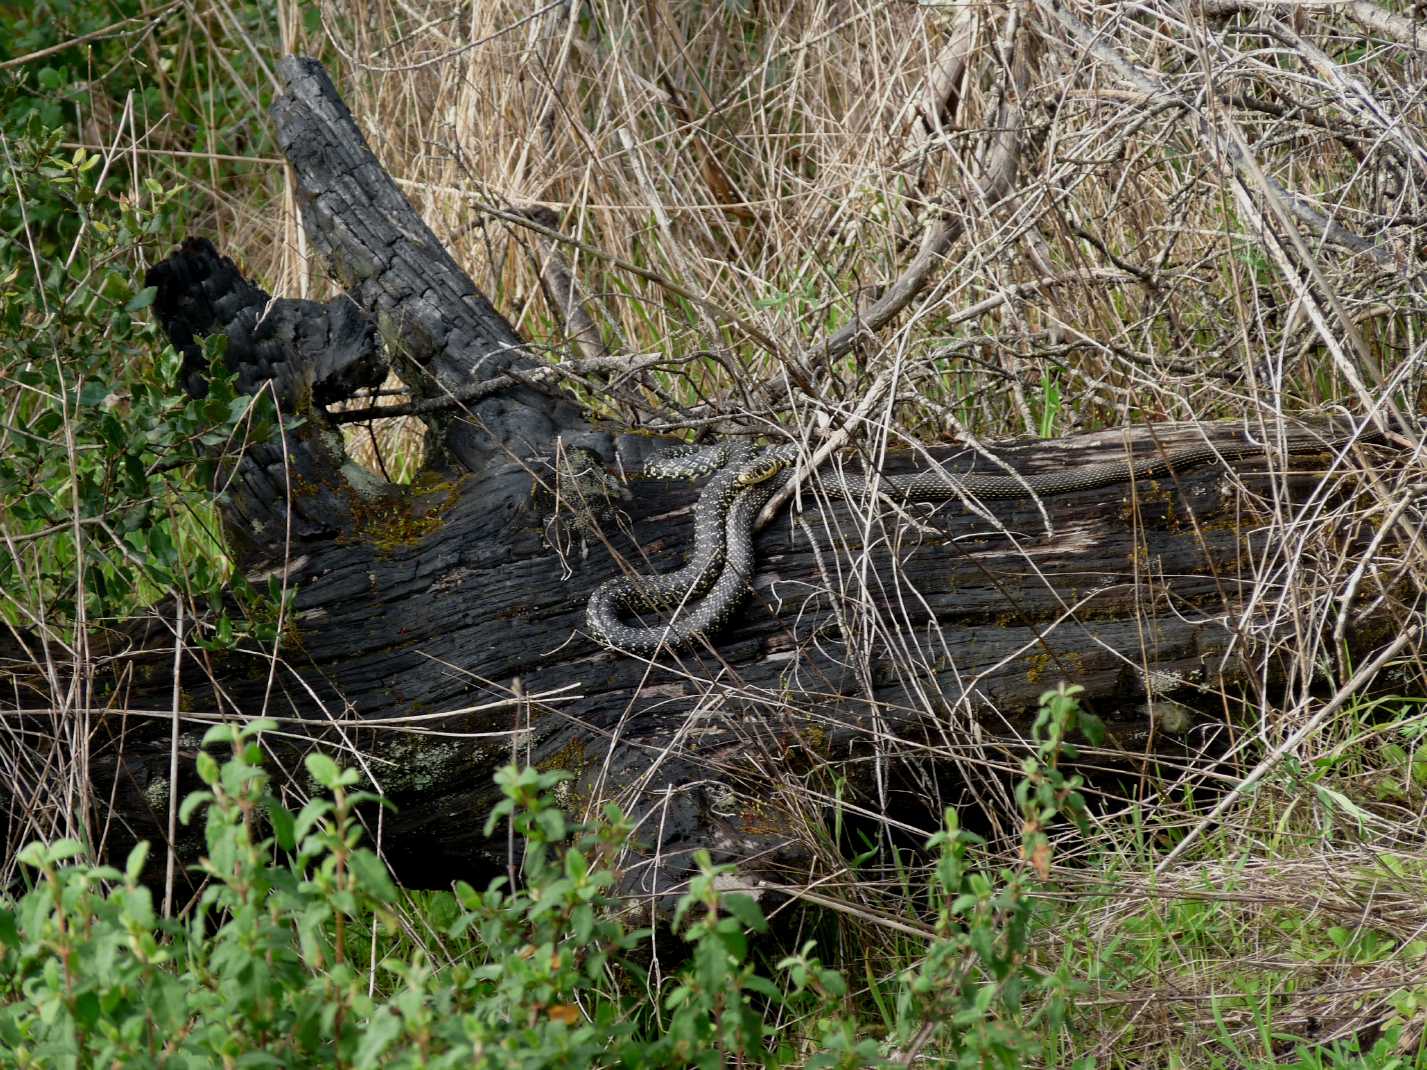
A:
[(707, 590), (736, 471)]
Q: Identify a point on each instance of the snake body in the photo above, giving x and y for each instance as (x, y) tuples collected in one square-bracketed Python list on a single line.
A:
[(717, 560), (719, 573)]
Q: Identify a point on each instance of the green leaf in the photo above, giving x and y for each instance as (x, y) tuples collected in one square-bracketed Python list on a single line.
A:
[(134, 866), (161, 544), (575, 864), (86, 1009), (1392, 863), (378, 1034), (207, 767), (308, 816), (139, 906), (257, 726), (1336, 799), (582, 923), (63, 849), (746, 910), (764, 988), (1092, 727), (94, 392), (373, 875), (9, 934), (220, 733), (258, 1058), (983, 942), (283, 825), (323, 770), (142, 300), (192, 802)]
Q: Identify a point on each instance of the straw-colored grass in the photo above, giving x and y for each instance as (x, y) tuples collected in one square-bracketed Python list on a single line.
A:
[(1217, 210)]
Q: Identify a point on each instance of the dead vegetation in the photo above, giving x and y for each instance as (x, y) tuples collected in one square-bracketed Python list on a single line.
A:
[(888, 224)]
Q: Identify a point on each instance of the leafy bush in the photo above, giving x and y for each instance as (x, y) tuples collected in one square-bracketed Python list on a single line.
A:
[(107, 475), (262, 971)]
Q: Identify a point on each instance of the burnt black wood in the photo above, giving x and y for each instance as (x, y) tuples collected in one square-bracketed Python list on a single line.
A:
[(415, 601)]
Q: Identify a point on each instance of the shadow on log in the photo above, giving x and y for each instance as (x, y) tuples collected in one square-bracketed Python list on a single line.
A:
[(436, 631)]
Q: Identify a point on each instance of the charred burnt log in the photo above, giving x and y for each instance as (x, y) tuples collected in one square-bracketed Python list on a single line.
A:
[(436, 631)]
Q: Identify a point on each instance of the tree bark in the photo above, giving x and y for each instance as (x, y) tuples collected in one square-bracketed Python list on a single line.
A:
[(437, 631)]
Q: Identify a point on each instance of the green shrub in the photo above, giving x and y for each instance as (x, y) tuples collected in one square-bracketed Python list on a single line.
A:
[(107, 474), (273, 965)]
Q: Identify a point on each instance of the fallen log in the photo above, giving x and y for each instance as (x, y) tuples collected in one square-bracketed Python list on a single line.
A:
[(436, 631)]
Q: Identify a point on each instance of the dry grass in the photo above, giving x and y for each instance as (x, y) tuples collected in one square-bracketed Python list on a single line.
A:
[(1211, 215), (1219, 218)]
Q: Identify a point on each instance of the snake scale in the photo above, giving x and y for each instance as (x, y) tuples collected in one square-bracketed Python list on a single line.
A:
[(719, 573)]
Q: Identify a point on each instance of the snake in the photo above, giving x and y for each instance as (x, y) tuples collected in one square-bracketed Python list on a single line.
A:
[(720, 566), (718, 576)]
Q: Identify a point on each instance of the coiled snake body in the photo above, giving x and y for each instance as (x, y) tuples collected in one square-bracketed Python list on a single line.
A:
[(719, 573), (722, 561)]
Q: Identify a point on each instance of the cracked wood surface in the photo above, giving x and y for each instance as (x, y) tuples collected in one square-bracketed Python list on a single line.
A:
[(978, 617), (870, 636)]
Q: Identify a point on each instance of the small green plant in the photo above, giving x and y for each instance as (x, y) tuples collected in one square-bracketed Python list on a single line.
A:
[(712, 1019), (1051, 404), (968, 998)]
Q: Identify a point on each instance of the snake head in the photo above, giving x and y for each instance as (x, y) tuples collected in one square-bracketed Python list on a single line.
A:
[(762, 470)]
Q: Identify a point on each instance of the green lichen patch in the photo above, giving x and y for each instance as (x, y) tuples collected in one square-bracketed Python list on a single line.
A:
[(1069, 664), (400, 517)]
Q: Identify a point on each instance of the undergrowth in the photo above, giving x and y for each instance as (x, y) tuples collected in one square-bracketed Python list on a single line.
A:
[(107, 473), (784, 166), (294, 954), (269, 967)]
